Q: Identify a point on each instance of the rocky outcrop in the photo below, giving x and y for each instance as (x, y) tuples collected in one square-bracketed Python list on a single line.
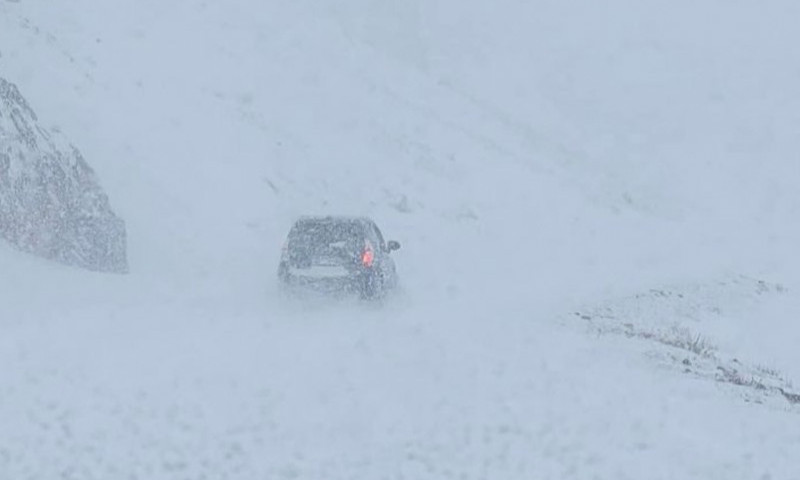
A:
[(51, 204)]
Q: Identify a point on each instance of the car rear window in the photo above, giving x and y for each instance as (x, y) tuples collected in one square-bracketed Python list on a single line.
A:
[(314, 237)]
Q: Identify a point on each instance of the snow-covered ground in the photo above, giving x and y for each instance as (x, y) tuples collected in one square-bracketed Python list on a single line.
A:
[(585, 193)]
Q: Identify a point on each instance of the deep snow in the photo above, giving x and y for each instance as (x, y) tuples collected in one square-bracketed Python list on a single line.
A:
[(535, 160)]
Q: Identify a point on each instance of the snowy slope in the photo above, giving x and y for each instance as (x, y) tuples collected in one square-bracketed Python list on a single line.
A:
[(534, 163), (46, 187)]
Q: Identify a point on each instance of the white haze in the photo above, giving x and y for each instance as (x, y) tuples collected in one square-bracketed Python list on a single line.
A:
[(534, 159)]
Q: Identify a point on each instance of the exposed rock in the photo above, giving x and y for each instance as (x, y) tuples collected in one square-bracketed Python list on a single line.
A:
[(51, 203)]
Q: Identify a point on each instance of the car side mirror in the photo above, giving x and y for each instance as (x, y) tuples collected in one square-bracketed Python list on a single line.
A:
[(392, 245)]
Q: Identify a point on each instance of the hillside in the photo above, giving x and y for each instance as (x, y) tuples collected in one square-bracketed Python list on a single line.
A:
[(50, 202)]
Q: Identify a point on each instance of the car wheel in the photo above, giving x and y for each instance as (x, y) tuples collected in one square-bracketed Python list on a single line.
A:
[(372, 286)]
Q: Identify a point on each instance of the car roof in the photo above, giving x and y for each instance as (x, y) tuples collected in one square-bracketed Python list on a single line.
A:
[(334, 218)]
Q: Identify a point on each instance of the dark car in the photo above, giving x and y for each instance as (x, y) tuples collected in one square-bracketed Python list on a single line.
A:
[(338, 255)]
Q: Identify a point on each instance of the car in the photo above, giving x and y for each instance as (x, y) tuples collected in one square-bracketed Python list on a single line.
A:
[(337, 255)]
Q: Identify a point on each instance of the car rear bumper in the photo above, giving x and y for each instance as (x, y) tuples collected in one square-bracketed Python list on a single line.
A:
[(326, 285)]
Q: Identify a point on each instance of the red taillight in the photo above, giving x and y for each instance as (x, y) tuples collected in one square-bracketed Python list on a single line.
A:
[(367, 257)]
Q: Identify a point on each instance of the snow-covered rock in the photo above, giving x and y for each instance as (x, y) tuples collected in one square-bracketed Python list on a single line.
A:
[(51, 203)]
